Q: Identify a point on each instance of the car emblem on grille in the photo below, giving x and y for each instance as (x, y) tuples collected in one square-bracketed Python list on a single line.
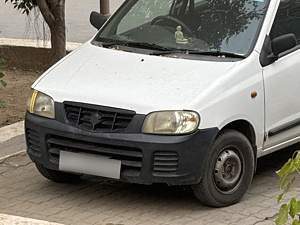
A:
[(96, 119)]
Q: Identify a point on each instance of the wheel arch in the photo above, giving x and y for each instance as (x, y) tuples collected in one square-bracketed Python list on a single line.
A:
[(246, 129), (233, 158)]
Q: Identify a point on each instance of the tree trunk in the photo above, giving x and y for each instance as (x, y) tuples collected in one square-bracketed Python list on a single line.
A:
[(58, 32), (53, 12)]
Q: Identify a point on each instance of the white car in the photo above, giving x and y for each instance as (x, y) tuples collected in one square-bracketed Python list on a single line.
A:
[(182, 92)]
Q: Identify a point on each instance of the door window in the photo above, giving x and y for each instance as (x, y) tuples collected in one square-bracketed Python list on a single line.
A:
[(287, 20)]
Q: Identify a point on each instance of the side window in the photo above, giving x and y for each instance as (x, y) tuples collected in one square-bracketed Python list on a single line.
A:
[(287, 19)]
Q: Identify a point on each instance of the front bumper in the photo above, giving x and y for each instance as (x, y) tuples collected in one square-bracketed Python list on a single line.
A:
[(146, 159)]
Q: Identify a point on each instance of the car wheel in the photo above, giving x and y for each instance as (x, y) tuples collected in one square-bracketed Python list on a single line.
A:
[(228, 172), (58, 176)]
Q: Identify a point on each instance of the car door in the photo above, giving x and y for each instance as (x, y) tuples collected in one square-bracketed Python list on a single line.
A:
[(282, 83)]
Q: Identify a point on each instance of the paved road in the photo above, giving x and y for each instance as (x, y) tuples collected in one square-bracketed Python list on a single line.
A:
[(16, 25), (24, 192)]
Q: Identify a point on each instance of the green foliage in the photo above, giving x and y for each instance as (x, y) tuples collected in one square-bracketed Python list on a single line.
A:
[(25, 6), (293, 208), (2, 82)]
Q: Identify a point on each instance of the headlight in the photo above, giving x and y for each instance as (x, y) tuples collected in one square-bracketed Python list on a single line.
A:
[(40, 104), (171, 122)]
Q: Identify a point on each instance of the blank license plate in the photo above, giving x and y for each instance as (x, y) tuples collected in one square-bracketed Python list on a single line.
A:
[(89, 164)]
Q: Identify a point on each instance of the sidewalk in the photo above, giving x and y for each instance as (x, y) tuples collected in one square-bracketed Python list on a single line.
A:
[(25, 193), (12, 143)]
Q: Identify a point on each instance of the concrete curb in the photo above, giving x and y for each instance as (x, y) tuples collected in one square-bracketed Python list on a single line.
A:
[(34, 43), (10, 220), (11, 131)]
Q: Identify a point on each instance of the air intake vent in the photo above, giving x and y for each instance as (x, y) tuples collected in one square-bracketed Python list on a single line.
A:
[(165, 162), (33, 141)]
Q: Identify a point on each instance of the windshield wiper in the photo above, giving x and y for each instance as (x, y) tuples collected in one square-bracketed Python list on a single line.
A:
[(196, 52), (105, 42), (168, 51), (216, 53), (146, 45)]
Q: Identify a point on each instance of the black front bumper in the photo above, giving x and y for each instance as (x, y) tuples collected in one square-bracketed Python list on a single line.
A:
[(146, 159)]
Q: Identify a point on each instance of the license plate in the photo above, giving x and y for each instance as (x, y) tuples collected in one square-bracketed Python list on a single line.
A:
[(89, 164)]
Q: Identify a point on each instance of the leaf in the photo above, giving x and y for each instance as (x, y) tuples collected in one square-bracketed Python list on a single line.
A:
[(1, 75), (282, 182), (2, 106), (283, 215), (2, 62), (296, 160), (3, 83), (294, 208), (296, 222), (286, 188), (287, 168), (280, 197)]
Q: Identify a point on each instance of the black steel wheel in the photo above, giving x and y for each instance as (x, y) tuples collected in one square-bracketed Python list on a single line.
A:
[(228, 172), (58, 176)]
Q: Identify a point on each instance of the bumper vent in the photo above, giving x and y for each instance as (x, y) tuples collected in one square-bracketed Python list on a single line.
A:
[(131, 158), (33, 142), (165, 162), (97, 118)]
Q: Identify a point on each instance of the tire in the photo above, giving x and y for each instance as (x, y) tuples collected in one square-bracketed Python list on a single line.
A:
[(228, 172), (58, 176)]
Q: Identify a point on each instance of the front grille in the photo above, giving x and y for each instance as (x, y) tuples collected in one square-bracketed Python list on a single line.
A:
[(165, 162), (97, 118), (33, 142), (131, 158)]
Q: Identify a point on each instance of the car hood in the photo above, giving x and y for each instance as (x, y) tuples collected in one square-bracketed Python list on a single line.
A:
[(138, 82)]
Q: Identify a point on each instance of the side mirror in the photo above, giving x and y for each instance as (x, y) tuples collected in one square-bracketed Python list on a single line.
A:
[(283, 43), (97, 19), (272, 48)]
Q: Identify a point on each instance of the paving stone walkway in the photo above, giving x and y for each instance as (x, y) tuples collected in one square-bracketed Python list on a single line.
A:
[(25, 193)]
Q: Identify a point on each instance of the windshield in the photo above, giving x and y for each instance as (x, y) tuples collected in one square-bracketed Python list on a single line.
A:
[(229, 26)]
